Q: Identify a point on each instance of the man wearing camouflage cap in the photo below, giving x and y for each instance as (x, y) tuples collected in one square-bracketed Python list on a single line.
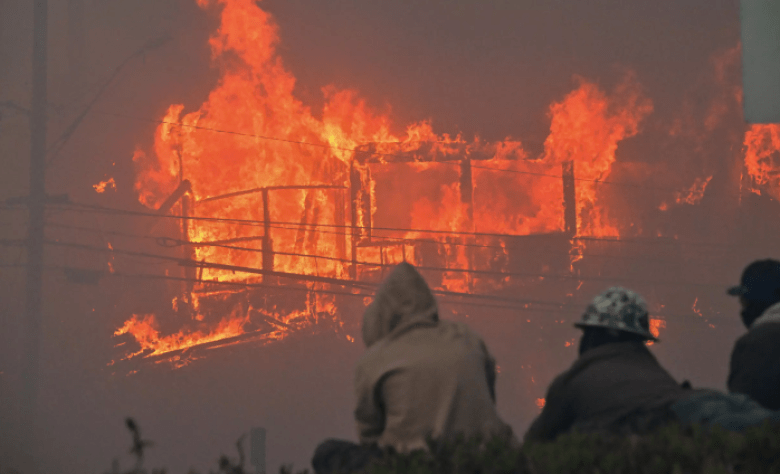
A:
[(755, 360), (616, 384)]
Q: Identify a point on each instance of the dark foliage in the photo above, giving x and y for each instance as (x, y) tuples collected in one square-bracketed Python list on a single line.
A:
[(670, 449)]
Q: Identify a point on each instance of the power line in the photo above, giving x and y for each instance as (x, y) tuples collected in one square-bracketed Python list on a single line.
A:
[(60, 143), (177, 243), (396, 155), (295, 225), (520, 305), (243, 269), (330, 292)]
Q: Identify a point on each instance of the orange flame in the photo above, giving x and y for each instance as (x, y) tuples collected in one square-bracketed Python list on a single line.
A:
[(145, 331), (762, 158), (695, 194), (696, 310), (252, 133), (655, 328), (100, 188)]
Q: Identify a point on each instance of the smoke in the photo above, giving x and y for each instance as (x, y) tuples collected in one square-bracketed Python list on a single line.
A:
[(465, 69)]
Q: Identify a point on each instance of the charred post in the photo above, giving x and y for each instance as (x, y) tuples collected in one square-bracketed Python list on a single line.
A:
[(366, 201), (341, 222), (184, 187), (268, 251), (354, 189), (190, 273), (569, 198), (467, 188), (300, 236), (467, 199)]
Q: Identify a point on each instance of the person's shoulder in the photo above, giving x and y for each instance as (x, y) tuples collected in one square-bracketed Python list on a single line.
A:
[(558, 387), (458, 326), (770, 327), (760, 332), (374, 356), (765, 335)]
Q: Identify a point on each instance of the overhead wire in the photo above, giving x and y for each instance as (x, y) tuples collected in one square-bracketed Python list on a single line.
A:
[(295, 225), (241, 269), (59, 144), (377, 153), (178, 242), (512, 303)]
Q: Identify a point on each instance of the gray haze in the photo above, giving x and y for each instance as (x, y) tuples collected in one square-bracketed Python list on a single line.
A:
[(487, 68)]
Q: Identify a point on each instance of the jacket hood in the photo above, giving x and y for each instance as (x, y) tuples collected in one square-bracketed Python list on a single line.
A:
[(771, 315), (402, 301)]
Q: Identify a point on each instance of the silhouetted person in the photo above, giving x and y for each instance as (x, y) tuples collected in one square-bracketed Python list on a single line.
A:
[(755, 360), (420, 377), (616, 385)]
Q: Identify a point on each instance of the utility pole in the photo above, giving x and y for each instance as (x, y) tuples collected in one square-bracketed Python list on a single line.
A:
[(36, 202)]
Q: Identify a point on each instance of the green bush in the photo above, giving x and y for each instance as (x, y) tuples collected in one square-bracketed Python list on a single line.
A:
[(670, 449)]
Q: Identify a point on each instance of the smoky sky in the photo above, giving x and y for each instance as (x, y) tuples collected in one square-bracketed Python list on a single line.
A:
[(480, 68), (492, 68)]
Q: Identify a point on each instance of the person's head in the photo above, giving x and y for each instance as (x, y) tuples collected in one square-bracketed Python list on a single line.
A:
[(759, 288), (616, 315), (403, 299)]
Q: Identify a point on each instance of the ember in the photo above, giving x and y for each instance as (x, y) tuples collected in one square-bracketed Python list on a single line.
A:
[(103, 185)]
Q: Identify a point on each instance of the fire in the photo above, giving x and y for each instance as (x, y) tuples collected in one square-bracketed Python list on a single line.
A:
[(586, 129), (309, 182), (110, 261), (540, 402), (690, 196), (100, 188), (695, 194), (145, 330), (655, 328), (762, 158), (696, 310)]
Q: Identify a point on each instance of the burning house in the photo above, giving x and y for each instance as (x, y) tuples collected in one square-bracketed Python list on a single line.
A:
[(226, 261), (262, 199)]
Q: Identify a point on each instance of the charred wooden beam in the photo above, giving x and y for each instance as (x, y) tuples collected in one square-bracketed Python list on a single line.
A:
[(354, 186), (188, 250), (300, 236), (429, 151), (268, 251), (184, 187), (569, 198), (292, 276), (269, 188), (367, 202), (341, 222)]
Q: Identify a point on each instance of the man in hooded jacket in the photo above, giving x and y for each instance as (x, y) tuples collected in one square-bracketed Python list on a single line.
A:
[(755, 360), (419, 378)]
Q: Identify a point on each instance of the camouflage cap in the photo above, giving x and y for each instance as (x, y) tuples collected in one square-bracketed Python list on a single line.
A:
[(619, 309)]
